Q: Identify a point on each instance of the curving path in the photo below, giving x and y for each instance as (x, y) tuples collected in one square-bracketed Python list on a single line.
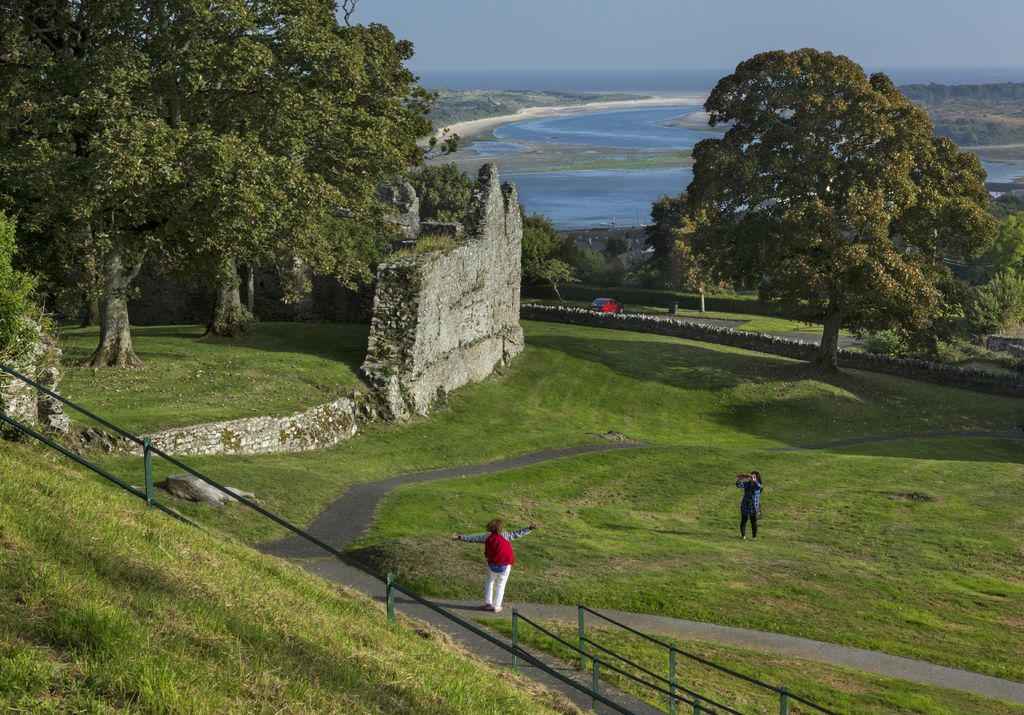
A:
[(352, 514)]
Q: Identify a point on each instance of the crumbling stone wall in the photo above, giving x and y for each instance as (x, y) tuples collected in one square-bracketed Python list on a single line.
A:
[(443, 319), (23, 402), (316, 428)]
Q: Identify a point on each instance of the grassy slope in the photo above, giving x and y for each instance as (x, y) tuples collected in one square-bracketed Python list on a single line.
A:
[(106, 606), (573, 384), (838, 689), (856, 562), (905, 553), (276, 369)]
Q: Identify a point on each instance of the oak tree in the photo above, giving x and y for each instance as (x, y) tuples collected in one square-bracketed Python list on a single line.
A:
[(830, 193)]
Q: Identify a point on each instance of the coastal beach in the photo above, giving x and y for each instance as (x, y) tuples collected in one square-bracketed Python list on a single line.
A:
[(479, 126)]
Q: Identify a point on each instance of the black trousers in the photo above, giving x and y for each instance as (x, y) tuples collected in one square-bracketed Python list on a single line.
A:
[(753, 525)]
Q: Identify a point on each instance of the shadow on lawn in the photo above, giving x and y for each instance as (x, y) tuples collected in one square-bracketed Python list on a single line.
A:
[(344, 342)]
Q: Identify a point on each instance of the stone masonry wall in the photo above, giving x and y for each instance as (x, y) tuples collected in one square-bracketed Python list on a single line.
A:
[(444, 319), (949, 375), (315, 428)]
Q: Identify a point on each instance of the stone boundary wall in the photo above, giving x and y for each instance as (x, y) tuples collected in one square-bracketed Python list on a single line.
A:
[(1005, 344), (442, 319), (923, 370), (315, 428)]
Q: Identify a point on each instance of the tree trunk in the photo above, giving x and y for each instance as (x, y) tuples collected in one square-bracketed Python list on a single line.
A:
[(90, 310), (115, 348), (702, 300), (827, 356), (250, 290), (230, 318)]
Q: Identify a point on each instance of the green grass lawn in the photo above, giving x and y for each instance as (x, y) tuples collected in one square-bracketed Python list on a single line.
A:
[(839, 689), (187, 379), (573, 384), (851, 552), (903, 547), (106, 606)]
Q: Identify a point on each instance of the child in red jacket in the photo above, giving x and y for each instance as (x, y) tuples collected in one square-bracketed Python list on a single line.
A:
[(498, 552)]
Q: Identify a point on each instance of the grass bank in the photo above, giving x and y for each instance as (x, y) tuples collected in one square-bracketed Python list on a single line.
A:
[(187, 379), (573, 384), (838, 689), (899, 547), (106, 606)]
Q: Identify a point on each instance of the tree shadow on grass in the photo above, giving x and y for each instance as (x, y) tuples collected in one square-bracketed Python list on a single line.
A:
[(788, 401)]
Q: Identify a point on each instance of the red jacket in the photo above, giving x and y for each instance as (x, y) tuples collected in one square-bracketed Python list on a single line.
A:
[(498, 550)]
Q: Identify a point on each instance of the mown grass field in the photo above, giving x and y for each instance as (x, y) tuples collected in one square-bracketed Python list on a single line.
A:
[(904, 547), (838, 689), (186, 378), (106, 606), (572, 385)]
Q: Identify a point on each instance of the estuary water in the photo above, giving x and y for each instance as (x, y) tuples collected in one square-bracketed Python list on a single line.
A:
[(602, 194)]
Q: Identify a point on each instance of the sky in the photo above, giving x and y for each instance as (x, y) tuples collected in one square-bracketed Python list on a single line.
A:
[(684, 34)]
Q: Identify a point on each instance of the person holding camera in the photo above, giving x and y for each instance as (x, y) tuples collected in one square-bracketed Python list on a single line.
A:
[(750, 507)]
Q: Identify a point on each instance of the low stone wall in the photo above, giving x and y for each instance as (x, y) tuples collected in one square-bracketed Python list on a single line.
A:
[(939, 373), (442, 319), (315, 428), (1005, 344)]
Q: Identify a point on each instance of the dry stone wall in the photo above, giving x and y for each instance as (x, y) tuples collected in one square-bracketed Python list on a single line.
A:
[(315, 428), (949, 375), (444, 319)]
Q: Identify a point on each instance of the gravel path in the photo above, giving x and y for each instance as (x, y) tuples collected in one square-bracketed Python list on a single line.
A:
[(352, 514)]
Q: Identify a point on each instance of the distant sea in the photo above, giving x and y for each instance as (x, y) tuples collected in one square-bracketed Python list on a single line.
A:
[(702, 80), (589, 198)]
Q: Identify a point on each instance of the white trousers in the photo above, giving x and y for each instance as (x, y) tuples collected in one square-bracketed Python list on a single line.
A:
[(495, 582)]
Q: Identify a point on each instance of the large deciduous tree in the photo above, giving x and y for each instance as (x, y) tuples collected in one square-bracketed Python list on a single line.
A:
[(830, 193), (216, 132)]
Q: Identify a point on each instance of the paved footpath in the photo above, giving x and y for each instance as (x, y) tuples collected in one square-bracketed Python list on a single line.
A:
[(351, 515)]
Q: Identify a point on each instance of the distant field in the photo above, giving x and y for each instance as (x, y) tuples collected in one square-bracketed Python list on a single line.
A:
[(973, 115)]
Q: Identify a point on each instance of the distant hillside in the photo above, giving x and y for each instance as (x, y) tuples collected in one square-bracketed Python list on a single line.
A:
[(454, 106), (106, 606), (973, 114)]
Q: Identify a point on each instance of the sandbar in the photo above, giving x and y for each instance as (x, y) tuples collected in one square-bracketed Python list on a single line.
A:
[(479, 126)]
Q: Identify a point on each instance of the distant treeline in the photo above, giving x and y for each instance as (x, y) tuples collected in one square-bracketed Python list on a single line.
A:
[(972, 114), (454, 106)]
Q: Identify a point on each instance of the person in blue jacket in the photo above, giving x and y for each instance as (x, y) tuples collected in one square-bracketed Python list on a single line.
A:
[(752, 486)]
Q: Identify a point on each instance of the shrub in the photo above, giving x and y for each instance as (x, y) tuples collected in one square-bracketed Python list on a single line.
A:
[(887, 342), (998, 305), (19, 326)]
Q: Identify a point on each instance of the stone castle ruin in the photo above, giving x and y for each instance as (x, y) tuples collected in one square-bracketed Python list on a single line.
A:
[(444, 318), (445, 313)]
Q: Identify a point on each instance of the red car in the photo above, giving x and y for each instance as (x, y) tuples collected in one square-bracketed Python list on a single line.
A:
[(606, 305)]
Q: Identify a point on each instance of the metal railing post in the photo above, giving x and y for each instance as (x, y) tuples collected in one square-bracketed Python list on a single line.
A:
[(390, 592), (596, 685), (582, 637), (515, 637), (147, 461), (672, 680), (783, 701)]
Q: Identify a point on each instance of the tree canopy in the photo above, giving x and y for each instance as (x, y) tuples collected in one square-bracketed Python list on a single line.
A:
[(211, 132), (19, 328), (830, 193)]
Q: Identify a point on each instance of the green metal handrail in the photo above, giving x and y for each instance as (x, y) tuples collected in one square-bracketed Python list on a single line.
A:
[(594, 658), (784, 695), (391, 585)]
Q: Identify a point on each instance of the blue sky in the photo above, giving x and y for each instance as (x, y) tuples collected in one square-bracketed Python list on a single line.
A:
[(680, 34)]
